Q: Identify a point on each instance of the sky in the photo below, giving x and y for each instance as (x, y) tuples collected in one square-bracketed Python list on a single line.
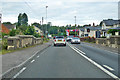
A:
[(60, 12)]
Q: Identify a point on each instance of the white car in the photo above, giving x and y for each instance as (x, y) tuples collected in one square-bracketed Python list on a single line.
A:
[(59, 40), (69, 38), (75, 40)]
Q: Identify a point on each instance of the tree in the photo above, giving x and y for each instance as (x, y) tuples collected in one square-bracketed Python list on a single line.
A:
[(29, 31), (22, 19), (12, 32), (7, 23)]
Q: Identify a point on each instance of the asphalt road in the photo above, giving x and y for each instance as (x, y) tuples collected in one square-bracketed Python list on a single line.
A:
[(103, 57), (64, 62)]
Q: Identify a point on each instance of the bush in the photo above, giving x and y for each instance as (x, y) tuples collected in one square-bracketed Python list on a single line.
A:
[(12, 32), (4, 44)]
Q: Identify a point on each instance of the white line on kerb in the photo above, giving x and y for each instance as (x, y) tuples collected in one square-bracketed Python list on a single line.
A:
[(108, 67), (19, 72), (32, 61), (96, 64)]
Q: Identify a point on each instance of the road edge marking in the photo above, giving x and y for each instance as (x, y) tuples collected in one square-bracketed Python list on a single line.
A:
[(111, 69), (96, 64)]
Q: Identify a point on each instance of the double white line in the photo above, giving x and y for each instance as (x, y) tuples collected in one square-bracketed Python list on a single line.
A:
[(93, 62)]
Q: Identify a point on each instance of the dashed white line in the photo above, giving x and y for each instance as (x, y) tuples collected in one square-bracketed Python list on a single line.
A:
[(19, 72), (32, 61), (96, 64), (108, 67)]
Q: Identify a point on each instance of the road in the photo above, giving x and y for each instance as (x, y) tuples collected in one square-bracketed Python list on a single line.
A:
[(65, 62)]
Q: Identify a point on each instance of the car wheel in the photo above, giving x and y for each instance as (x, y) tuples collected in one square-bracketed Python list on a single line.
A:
[(54, 44), (64, 44)]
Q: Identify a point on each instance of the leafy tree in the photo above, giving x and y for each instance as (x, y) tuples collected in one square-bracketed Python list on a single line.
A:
[(12, 32), (7, 23), (112, 31), (22, 19), (29, 31)]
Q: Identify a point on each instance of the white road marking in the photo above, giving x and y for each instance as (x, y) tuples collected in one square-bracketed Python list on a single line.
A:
[(32, 61), (79, 51), (38, 56), (96, 64), (108, 67), (19, 64), (19, 72)]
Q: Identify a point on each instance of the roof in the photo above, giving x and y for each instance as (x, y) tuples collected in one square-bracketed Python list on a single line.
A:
[(10, 26), (82, 29), (94, 28), (5, 29), (111, 22)]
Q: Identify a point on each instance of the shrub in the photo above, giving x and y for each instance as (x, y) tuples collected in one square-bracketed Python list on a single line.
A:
[(4, 44)]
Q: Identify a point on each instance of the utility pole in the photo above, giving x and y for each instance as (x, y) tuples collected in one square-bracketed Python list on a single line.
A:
[(46, 23), (75, 25)]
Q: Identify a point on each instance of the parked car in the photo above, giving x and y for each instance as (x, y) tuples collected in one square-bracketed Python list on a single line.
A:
[(75, 40), (59, 40), (69, 38)]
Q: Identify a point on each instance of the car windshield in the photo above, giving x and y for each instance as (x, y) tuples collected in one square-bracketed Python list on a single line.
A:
[(75, 38), (60, 37)]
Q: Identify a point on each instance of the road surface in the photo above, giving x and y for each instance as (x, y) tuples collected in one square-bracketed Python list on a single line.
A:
[(65, 62)]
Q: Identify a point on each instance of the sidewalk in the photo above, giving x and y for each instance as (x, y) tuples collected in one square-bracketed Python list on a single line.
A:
[(115, 50), (13, 59)]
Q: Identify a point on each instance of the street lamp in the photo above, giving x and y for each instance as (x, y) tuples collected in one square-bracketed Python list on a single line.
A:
[(46, 21), (75, 25)]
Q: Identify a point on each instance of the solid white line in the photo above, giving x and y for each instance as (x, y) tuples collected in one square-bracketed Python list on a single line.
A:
[(19, 72), (38, 56), (32, 61), (98, 65), (77, 49), (108, 67)]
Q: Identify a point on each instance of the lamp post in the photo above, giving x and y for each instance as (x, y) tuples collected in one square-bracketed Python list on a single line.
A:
[(75, 25), (46, 22)]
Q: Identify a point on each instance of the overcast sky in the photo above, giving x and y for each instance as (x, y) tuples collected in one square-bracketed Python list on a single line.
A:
[(61, 12)]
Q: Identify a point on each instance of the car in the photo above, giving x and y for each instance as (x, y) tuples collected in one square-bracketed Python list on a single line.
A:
[(59, 40), (69, 38), (75, 40)]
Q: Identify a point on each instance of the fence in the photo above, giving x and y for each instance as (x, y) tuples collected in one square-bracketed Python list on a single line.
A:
[(21, 41)]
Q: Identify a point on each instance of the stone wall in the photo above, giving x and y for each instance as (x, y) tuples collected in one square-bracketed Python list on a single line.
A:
[(21, 41), (113, 41)]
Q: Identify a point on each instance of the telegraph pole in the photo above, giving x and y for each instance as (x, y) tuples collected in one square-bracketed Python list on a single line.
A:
[(75, 25)]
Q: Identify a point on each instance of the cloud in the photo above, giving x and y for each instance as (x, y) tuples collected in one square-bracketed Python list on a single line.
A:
[(61, 12)]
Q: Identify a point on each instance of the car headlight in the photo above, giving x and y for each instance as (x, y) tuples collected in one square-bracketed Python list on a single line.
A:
[(73, 40)]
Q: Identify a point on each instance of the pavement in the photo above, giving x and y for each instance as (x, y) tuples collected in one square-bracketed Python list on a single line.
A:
[(15, 58)]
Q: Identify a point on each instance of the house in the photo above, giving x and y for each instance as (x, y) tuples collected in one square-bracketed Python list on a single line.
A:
[(37, 30), (5, 29), (92, 31), (81, 32), (108, 24), (10, 26)]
